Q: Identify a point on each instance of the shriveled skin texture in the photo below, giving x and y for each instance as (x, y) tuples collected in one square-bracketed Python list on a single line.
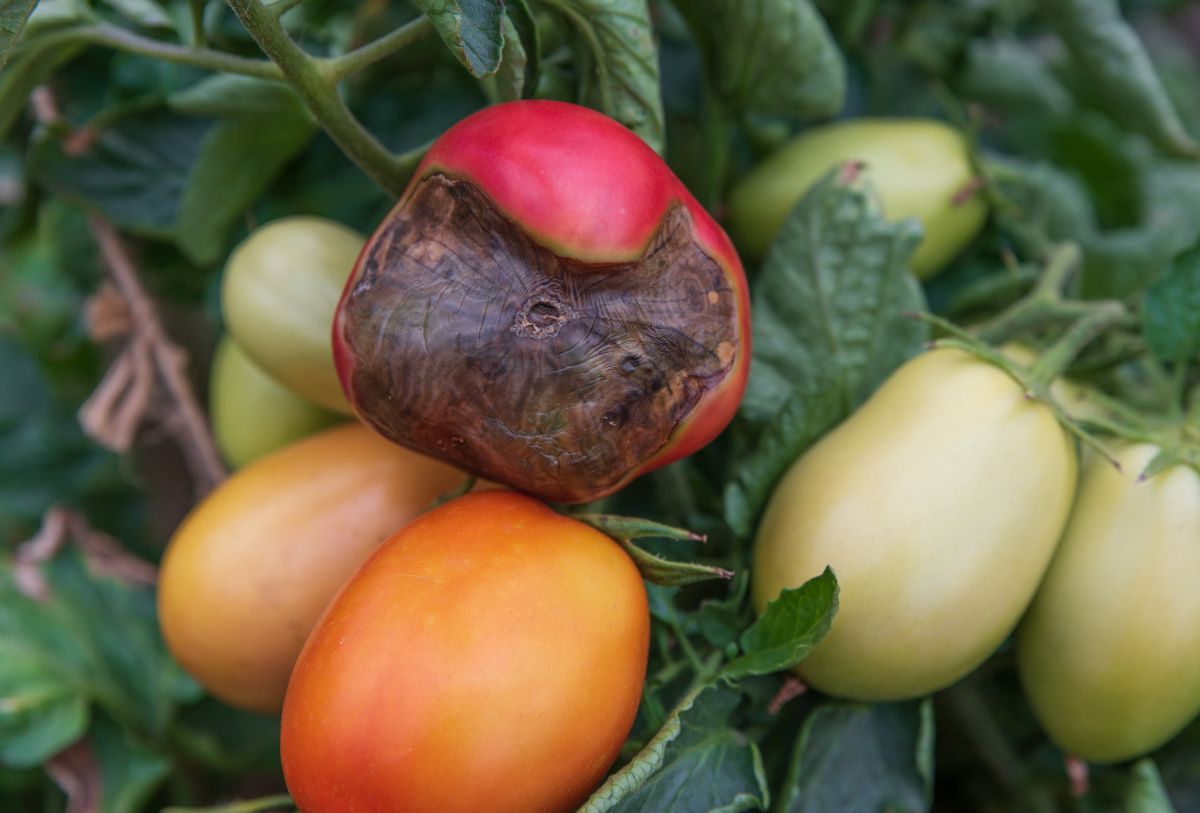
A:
[(473, 343)]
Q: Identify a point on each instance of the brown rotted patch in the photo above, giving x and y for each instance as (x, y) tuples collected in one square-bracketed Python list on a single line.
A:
[(476, 345)]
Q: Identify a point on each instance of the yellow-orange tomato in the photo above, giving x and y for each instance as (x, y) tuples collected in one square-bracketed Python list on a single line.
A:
[(488, 657), (251, 568)]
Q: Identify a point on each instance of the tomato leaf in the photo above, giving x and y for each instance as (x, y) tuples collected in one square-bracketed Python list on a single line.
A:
[(804, 417), (793, 624), (108, 771), (695, 764), (13, 14), (617, 63), (471, 30), (769, 56), (1171, 311), (239, 158), (830, 300), (862, 759), (1145, 792), (145, 13), (1009, 75), (93, 639), (1110, 55), (31, 64)]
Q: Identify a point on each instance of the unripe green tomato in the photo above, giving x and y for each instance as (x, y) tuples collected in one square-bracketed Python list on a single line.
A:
[(938, 504), (917, 166), (252, 413), (1109, 653), (279, 292)]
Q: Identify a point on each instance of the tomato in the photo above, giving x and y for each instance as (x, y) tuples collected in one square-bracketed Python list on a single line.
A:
[(918, 168), (938, 504), (278, 295), (547, 306), (488, 657), (1109, 653), (252, 413), (251, 568)]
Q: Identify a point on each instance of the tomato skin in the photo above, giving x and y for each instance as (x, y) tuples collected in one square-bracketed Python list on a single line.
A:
[(589, 189), (489, 656), (249, 571), (916, 165), (1109, 653), (938, 504), (252, 413), (278, 295)]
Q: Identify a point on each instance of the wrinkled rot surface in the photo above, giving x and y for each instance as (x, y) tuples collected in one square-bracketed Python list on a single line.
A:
[(475, 337)]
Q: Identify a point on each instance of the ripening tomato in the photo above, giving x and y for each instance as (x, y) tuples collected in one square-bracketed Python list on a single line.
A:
[(251, 568), (921, 168), (488, 657), (547, 306), (938, 504), (252, 413), (1109, 653), (278, 295)]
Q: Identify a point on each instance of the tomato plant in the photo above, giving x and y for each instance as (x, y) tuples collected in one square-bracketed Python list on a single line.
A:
[(543, 250), (842, 462), (498, 651), (253, 565)]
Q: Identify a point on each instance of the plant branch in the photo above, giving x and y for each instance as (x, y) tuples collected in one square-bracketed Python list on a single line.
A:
[(168, 362), (122, 40), (319, 94), (338, 68)]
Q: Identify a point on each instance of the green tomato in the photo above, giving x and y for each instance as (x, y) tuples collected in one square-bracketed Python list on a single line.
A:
[(917, 166), (279, 292), (252, 413), (938, 504), (1109, 653)]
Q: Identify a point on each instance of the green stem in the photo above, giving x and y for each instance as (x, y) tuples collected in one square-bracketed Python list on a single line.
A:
[(266, 803), (112, 36), (1044, 304), (339, 68), (199, 40), (305, 75), (1055, 361)]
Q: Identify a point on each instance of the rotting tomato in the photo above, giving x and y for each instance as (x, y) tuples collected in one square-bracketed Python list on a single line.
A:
[(252, 413), (938, 504), (921, 169), (278, 295), (546, 306), (249, 571), (489, 656), (1109, 653)]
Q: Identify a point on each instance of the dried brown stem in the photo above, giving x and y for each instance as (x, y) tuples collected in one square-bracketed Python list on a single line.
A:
[(77, 774), (125, 394)]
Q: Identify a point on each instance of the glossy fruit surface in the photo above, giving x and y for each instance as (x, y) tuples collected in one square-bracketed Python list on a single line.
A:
[(938, 504), (1109, 653), (278, 295), (489, 656), (547, 306), (251, 568), (919, 168), (252, 413)]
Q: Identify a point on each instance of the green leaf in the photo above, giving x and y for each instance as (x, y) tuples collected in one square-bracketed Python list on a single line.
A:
[(862, 759), (1009, 75), (240, 157), (471, 29), (830, 301), (669, 573), (130, 773), (134, 173), (510, 77), (226, 94), (93, 639), (1171, 311), (769, 56), (793, 624), (695, 764), (617, 62), (804, 417), (31, 65), (1145, 792), (13, 14), (1110, 56)]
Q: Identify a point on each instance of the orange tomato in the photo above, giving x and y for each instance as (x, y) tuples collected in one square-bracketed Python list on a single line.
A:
[(249, 571), (488, 657)]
